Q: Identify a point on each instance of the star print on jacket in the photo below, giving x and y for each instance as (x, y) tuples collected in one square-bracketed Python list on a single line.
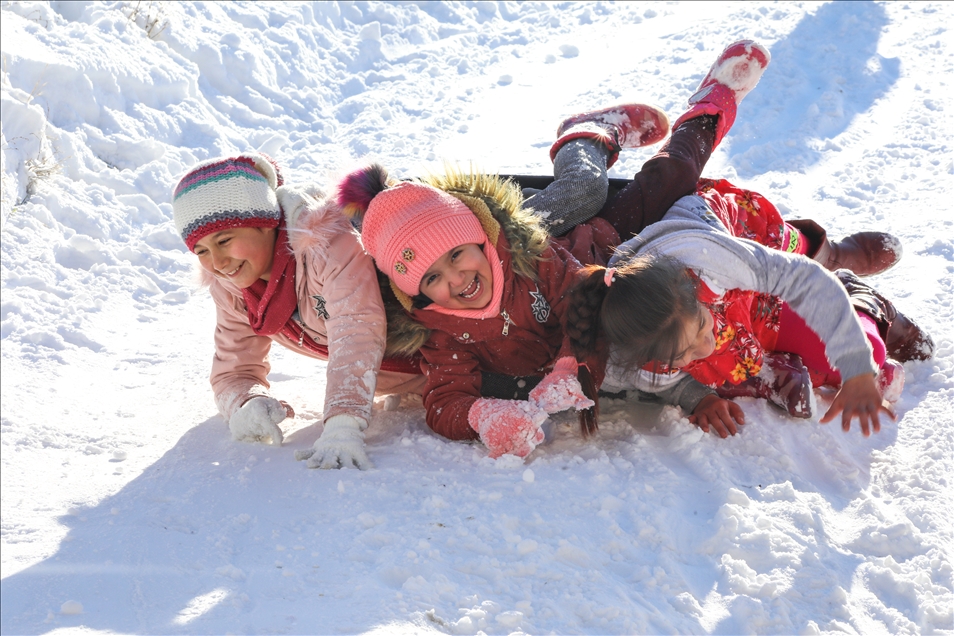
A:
[(540, 306), (320, 307)]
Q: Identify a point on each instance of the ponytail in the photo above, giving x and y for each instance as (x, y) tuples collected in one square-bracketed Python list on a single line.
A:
[(582, 326)]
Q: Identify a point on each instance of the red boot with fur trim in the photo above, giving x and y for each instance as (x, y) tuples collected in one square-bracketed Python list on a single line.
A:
[(734, 74)]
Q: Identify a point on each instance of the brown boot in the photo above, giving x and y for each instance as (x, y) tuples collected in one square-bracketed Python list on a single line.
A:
[(864, 253), (903, 339), (783, 381)]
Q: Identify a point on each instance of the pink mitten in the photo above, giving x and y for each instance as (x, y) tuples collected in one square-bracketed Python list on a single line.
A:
[(507, 426), (560, 389)]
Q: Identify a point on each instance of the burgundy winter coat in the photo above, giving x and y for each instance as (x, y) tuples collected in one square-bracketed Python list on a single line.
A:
[(526, 344)]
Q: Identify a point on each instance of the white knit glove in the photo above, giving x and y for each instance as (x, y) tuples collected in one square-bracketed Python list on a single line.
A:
[(341, 445), (257, 421)]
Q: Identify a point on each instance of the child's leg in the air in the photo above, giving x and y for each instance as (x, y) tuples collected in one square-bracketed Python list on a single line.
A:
[(579, 186), (674, 171), (587, 145)]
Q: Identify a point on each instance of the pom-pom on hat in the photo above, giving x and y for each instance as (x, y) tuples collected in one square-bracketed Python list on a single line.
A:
[(407, 226), (224, 193)]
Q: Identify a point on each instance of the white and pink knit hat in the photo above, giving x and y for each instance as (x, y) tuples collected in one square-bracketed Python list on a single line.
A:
[(224, 193), (408, 226)]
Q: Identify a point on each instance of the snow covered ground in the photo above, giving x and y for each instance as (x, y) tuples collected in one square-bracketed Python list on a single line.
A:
[(126, 507)]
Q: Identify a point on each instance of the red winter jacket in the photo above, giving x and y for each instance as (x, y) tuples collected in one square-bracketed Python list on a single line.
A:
[(526, 344)]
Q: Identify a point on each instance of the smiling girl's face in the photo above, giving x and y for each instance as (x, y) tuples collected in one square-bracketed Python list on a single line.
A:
[(240, 255), (698, 340), (460, 279)]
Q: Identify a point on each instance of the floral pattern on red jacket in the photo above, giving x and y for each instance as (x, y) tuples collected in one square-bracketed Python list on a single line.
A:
[(745, 325), (746, 214)]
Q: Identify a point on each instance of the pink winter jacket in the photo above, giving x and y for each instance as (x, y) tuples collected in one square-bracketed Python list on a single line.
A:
[(339, 306)]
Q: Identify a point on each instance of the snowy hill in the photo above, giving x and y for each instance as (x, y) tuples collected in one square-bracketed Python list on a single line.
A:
[(126, 508)]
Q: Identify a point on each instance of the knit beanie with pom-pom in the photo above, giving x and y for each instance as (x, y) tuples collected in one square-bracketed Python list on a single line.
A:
[(406, 226), (225, 193)]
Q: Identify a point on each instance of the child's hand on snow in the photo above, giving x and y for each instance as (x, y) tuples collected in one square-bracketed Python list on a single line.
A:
[(560, 389), (257, 420), (721, 414), (341, 445), (507, 426), (859, 397)]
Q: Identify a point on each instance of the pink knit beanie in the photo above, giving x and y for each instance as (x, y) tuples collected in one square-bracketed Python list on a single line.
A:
[(224, 193), (408, 226)]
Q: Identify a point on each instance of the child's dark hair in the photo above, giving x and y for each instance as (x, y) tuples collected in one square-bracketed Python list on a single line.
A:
[(642, 312)]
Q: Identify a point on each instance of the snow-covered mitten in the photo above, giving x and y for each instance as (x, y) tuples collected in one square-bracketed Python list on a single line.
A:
[(257, 420), (560, 389), (341, 445), (733, 75), (507, 426)]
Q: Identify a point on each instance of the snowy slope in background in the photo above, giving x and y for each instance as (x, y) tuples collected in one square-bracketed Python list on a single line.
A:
[(127, 508)]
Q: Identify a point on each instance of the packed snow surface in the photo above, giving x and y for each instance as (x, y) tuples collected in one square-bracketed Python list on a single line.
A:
[(126, 506)]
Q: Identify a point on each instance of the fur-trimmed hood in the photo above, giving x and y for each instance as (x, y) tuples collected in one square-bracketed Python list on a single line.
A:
[(311, 217), (482, 193)]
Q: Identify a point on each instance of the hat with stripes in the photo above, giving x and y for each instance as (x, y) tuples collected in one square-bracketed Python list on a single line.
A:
[(225, 193)]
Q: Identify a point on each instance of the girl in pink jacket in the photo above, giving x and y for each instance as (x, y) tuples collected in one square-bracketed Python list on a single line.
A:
[(283, 265)]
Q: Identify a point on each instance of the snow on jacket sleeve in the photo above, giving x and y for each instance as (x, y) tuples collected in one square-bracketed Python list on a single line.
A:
[(240, 364), (452, 386), (356, 325)]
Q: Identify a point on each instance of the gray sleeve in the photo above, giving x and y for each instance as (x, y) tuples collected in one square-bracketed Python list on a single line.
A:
[(678, 388), (724, 262), (686, 393)]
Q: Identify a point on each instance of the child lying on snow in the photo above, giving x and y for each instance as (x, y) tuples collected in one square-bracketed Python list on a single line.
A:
[(283, 265), (696, 313), (485, 293)]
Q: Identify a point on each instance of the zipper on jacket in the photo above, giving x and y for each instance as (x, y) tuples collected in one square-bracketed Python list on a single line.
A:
[(507, 321)]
